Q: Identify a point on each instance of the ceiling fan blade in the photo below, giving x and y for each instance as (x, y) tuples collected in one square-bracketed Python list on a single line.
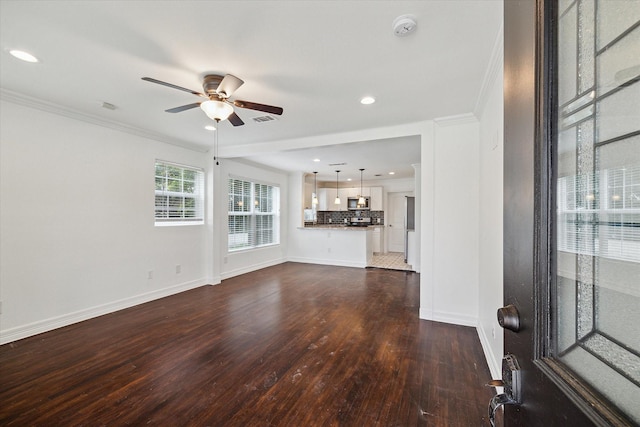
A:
[(183, 108), (260, 107), (152, 80), (235, 120), (228, 85)]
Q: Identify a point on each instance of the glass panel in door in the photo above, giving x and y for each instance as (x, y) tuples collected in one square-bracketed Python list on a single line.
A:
[(596, 315)]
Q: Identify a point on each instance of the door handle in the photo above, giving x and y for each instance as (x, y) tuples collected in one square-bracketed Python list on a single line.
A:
[(509, 318), (496, 402), (511, 381)]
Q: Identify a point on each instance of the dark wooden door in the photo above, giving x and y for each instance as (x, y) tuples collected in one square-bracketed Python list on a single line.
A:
[(542, 236)]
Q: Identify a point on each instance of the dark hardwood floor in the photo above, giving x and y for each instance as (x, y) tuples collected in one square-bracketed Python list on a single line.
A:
[(290, 345)]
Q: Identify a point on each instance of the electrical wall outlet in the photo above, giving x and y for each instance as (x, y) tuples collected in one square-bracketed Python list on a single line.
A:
[(150, 274), (178, 269)]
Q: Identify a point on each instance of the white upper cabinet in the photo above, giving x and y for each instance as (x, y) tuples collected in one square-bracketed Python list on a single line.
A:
[(326, 197), (376, 198)]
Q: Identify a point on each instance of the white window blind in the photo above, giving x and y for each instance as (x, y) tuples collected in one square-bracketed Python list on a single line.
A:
[(599, 214), (179, 194), (253, 214)]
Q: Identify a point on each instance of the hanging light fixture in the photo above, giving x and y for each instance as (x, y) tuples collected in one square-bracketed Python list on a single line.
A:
[(216, 110), (361, 200), (315, 189), (337, 201)]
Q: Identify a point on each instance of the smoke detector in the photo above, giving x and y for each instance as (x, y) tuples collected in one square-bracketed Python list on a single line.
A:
[(404, 25)]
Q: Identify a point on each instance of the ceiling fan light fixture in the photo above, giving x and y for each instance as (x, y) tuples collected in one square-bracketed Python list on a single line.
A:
[(216, 110)]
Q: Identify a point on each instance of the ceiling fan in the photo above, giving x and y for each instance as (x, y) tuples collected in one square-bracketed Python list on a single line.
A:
[(217, 90)]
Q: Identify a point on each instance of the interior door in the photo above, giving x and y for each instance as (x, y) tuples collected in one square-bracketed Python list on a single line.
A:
[(395, 222), (571, 213)]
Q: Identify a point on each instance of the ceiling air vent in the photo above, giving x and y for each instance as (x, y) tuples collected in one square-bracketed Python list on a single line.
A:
[(263, 119)]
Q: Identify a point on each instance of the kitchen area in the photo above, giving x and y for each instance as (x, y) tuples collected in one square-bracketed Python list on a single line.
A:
[(346, 225)]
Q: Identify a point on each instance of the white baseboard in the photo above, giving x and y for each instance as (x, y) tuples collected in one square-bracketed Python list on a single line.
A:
[(336, 262), (52, 323), (495, 364), (250, 268), (446, 317)]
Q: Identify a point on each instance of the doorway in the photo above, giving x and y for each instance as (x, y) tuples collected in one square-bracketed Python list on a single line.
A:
[(396, 221)]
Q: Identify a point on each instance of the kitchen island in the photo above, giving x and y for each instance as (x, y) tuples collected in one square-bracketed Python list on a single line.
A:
[(349, 246)]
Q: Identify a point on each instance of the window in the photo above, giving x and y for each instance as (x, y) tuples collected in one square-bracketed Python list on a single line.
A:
[(179, 194), (612, 231), (253, 214)]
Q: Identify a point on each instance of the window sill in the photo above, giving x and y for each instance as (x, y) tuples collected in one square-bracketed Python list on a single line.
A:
[(177, 223)]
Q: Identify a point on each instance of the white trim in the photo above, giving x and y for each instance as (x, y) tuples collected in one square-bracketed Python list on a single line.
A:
[(425, 314), (42, 105), (321, 261), (249, 269), (495, 364), (177, 223), (50, 324), (457, 120), (446, 317), (409, 129)]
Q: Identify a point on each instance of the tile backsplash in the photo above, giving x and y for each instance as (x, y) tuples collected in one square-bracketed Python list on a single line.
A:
[(338, 217)]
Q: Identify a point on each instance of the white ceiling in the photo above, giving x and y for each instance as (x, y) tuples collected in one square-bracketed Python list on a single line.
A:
[(315, 59)]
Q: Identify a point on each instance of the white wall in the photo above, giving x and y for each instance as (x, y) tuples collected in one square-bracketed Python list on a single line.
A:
[(77, 222), (449, 254), (491, 184), (240, 262)]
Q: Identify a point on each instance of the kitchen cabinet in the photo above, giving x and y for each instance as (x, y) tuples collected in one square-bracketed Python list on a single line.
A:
[(376, 198), (327, 195), (353, 191), (341, 246), (377, 239), (326, 198), (322, 199)]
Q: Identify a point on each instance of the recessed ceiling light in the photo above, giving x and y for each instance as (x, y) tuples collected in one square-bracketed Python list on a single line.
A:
[(367, 100), (392, 173), (348, 179), (25, 56), (210, 127), (316, 160)]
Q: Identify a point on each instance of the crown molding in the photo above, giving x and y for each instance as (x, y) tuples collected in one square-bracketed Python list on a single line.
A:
[(494, 68), (60, 110), (459, 119)]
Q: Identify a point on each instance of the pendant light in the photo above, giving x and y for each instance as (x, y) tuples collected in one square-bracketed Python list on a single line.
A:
[(315, 189), (361, 201), (337, 201)]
